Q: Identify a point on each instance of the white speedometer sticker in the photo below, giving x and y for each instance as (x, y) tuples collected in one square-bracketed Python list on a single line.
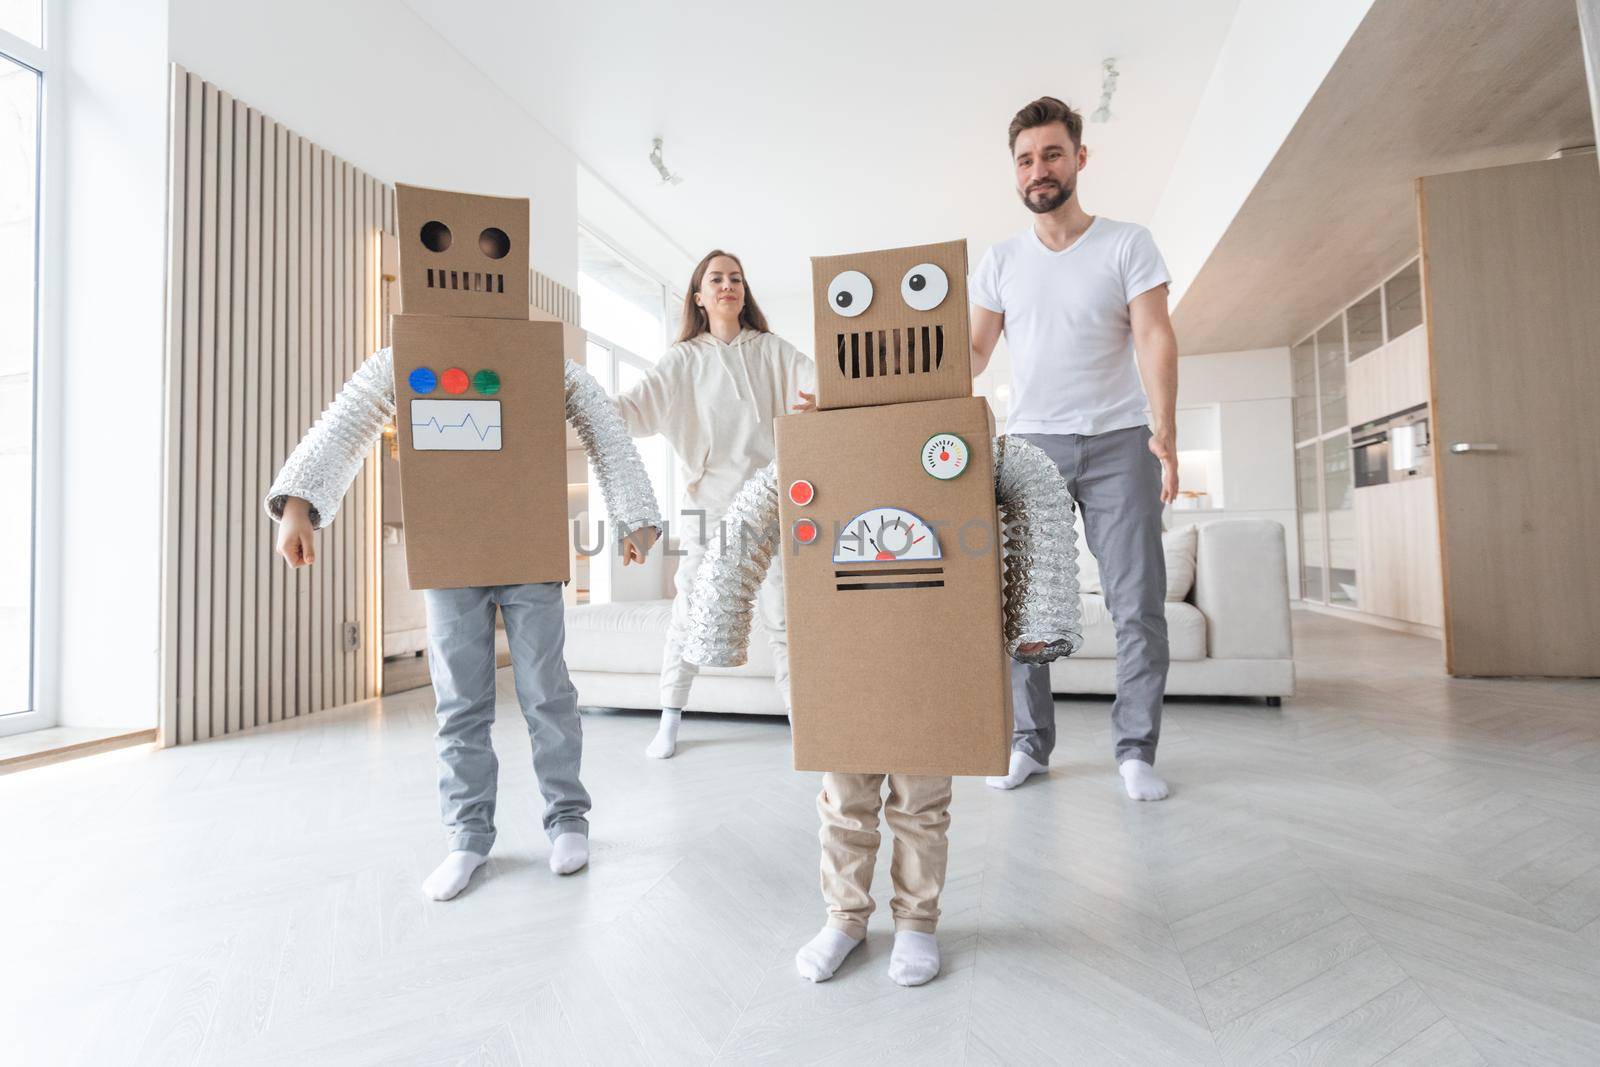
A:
[(944, 456)]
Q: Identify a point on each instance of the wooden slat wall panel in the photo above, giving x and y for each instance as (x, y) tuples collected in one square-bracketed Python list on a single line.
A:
[(273, 302)]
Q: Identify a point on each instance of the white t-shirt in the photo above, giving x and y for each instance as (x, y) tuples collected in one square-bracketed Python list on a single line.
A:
[(1067, 327)]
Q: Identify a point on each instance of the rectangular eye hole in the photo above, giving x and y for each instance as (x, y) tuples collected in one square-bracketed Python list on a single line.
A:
[(895, 334), (883, 356), (500, 283), (855, 355), (866, 348), (842, 369), (938, 354), (927, 348), (430, 277)]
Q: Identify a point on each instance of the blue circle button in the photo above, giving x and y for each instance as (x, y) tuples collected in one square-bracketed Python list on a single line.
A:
[(423, 380)]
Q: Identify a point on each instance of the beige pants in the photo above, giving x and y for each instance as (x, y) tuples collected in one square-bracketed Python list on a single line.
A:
[(918, 812)]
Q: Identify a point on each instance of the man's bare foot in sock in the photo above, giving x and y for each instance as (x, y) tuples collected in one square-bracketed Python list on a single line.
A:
[(665, 743), (1023, 767), (1142, 781), (915, 958), (569, 853), (822, 955), (452, 876)]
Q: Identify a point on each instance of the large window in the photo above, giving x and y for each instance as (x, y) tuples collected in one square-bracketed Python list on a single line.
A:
[(631, 318), (21, 97)]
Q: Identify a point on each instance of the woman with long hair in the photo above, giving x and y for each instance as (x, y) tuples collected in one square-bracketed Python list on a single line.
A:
[(713, 396)]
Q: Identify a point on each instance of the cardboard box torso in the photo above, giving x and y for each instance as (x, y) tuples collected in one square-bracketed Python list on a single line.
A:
[(897, 663), (480, 411)]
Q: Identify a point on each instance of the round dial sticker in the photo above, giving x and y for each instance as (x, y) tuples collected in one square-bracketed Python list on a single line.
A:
[(944, 456)]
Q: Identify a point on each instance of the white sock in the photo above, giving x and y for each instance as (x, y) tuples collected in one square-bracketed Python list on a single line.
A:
[(1023, 767), (452, 876), (1142, 780), (665, 742), (915, 958), (821, 956), (569, 852)]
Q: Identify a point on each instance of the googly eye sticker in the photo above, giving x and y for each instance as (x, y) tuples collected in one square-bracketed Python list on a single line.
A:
[(850, 293)]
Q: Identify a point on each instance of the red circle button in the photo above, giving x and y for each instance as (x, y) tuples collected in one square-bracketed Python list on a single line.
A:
[(454, 380), (805, 531), (802, 492)]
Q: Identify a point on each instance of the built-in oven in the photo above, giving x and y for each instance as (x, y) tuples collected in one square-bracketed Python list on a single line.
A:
[(1392, 448)]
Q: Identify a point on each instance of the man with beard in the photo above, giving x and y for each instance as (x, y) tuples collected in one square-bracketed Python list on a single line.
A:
[(1082, 301)]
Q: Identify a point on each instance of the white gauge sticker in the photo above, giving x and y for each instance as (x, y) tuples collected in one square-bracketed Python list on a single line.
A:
[(944, 456), (885, 535)]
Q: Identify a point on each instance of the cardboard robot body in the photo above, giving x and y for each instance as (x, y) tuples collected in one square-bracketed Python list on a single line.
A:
[(890, 532), (480, 405)]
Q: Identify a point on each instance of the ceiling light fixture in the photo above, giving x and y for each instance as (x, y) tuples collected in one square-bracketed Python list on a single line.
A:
[(1108, 88), (667, 177)]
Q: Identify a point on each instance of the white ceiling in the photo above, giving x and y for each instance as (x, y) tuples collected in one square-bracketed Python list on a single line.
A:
[(815, 128)]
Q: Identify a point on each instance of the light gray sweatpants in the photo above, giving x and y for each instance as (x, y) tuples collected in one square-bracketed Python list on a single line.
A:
[(1116, 481), (461, 657)]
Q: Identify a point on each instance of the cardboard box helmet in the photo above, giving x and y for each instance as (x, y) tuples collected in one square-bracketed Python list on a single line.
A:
[(462, 254), (892, 326)]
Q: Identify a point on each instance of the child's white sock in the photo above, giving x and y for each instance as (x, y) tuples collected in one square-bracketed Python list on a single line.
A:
[(665, 742), (1023, 767), (822, 955), (1142, 781), (569, 852), (452, 876), (915, 958)]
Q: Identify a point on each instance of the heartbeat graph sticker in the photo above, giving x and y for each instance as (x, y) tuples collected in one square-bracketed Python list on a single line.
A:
[(455, 425)]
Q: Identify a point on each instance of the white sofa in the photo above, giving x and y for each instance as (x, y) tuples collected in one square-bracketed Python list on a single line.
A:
[(1229, 637)]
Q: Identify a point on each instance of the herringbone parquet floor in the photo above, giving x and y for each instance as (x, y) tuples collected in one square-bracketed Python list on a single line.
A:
[(1393, 867)]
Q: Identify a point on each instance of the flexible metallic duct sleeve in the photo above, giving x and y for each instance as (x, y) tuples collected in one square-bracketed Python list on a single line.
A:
[(330, 455), (1041, 565), (723, 602), (624, 482)]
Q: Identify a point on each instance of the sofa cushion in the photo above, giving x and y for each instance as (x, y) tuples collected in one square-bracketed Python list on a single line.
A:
[(1186, 630), (628, 637)]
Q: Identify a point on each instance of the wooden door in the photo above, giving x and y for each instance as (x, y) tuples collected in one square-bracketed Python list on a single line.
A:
[(1511, 278)]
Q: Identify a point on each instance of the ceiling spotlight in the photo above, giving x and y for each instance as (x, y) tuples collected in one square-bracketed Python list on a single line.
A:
[(667, 177), (1108, 88)]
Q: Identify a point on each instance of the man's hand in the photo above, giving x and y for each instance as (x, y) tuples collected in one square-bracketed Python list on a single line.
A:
[(636, 546), (1164, 444), (808, 402), (296, 537)]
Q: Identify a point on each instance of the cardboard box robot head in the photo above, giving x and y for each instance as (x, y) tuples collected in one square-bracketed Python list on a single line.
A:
[(892, 326), (479, 394), (462, 254)]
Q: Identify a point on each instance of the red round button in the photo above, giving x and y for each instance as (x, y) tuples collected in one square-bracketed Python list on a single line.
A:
[(805, 531), (454, 380), (802, 492)]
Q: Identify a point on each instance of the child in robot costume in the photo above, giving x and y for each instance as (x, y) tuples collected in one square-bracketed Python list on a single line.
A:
[(461, 629), (896, 397)]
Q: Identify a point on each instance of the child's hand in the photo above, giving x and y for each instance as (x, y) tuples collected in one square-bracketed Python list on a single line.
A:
[(808, 402), (636, 546), (296, 537), (1031, 647)]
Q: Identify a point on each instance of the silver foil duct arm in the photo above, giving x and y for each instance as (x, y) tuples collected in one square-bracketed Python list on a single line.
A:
[(1041, 565), (630, 498), (723, 603), (329, 457)]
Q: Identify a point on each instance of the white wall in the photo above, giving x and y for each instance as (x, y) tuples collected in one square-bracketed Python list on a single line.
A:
[(1243, 400), (1275, 56), (375, 85), (101, 456)]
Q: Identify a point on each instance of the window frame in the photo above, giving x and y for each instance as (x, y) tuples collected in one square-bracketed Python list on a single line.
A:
[(42, 711)]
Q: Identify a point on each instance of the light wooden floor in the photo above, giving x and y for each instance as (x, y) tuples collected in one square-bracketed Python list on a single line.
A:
[(1392, 865)]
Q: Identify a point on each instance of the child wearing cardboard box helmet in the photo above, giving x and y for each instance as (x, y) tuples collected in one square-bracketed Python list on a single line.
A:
[(481, 397), (904, 592), (714, 396)]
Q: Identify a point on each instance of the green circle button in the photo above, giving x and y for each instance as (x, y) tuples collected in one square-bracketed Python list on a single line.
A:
[(486, 382)]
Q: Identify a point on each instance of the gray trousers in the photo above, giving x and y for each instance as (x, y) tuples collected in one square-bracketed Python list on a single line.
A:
[(1116, 481), (461, 657)]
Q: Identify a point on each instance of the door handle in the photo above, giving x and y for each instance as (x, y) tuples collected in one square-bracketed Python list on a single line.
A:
[(1468, 446)]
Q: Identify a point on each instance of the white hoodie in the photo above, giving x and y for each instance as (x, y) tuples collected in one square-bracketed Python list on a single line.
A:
[(714, 403)]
